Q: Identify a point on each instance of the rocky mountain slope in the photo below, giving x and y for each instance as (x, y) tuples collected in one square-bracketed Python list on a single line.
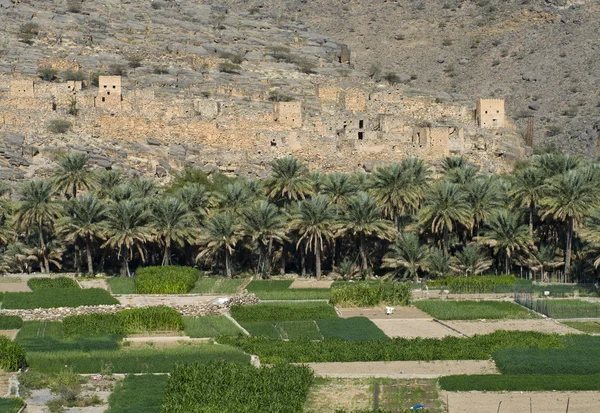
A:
[(542, 56)]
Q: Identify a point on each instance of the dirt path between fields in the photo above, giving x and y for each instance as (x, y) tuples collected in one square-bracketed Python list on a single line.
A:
[(14, 287), (404, 369), (94, 284), (519, 402), (486, 327), (311, 284), (399, 313), (3, 383), (9, 333)]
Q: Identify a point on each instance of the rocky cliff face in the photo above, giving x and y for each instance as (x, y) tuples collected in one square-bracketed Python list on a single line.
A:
[(211, 87)]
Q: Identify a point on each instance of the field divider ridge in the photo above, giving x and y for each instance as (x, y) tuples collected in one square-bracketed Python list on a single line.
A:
[(451, 328), (234, 321)]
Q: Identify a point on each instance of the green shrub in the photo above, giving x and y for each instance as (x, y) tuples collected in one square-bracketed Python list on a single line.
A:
[(283, 312), (473, 310), (43, 283), (12, 355), (165, 280), (59, 126), (57, 297), (123, 322), (478, 347), (10, 322), (526, 382), (47, 73), (142, 394), (12, 405), (228, 67), (227, 387), (73, 75), (366, 294)]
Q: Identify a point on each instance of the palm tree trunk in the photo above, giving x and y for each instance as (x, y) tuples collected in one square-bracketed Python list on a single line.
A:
[(43, 248), (77, 258), (318, 261), (228, 264), (282, 260), (260, 267), (506, 263), (88, 250), (125, 265), (363, 252), (445, 240), (568, 247), (531, 209), (167, 254), (268, 258)]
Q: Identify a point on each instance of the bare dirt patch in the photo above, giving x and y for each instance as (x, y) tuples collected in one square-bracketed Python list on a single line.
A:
[(94, 284), (19, 287), (329, 395), (152, 300), (404, 369), (162, 342), (9, 333), (518, 402), (414, 328), (435, 295), (400, 313), (298, 283), (486, 327), (3, 383)]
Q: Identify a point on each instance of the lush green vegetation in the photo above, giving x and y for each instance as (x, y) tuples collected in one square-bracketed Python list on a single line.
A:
[(124, 322), (148, 360), (256, 286), (525, 382), (473, 310), (371, 294), (282, 312), (10, 322), (354, 328), (209, 326), (12, 405), (138, 394), (60, 282), (227, 387), (215, 285), (48, 336), (579, 355), (562, 308), (57, 297), (165, 280), (12, 355), (280, 290), (479, 284), (121, 285), (478, 347), (589, 327)]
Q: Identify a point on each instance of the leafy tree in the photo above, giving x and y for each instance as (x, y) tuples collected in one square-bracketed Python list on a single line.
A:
[(37, 212), (173, 224), (83, 220), (127, 230), (219, 234), (73, 174), (314, 222), (470, 261), (407, 254)]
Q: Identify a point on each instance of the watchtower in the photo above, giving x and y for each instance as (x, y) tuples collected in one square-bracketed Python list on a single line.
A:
[(490, 113), (109, 92)]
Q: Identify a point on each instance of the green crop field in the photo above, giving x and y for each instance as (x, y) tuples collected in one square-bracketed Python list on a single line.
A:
[(589, 327), (171, 279), (565, 309), (12, 405), (43, 283), (121, 285), (48, 336), (213, 286), (10, 322), (473, 310), (280, 290), (57, 297), (525, 382), (138, 394), (209, 326), (282, 312), (147, 360)]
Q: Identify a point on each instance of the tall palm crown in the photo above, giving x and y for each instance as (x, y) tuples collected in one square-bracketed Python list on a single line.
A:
[(363, 219), (107, 182), (339, 188), (470, 261), (73, 174), (507, 236), (37, 212), (83, 221), (290, 180), (263, 223), (314, 221), (219, 234), (527, 189), (173, 224), (126, 230), (438, 264), (445, 207), (484, 197), (196, 199), (591, 231), (407, 255), (234, 198), (391, 186), (569, 198), (552, 164)]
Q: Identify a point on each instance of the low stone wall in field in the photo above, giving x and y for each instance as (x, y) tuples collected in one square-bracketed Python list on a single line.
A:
[(55, 314)]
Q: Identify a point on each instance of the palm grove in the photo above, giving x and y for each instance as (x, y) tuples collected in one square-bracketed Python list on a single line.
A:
[(404, 220)]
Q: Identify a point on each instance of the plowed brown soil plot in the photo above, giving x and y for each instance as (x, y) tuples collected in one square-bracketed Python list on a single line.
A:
[(398, 395), (18, 287), (486, 327), (3, 383), (414, 328), (94, 284), (400, 313), (9, 333), (329, 395), (517, 402), (311, 284)]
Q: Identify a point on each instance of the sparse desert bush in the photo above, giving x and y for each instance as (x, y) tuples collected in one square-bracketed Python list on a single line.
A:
[(27, 32), (47, 73), (135, 60), (160, 70), (233, 57), (228, 67), (116, 69), (73, 75), (59, 126), (74, 6)]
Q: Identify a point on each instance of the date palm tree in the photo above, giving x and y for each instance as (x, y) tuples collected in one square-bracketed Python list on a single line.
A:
[(290, 181), (552, 164), (339, 188), (391, 187), (107, 182), (220, 234), (507, 236), (470, 261), (569, 198), (83, 220), (445, 208), (127, 230), (484, 198), (407, 255), (591, 231), (314, 222), (196, 199), (73, 174), (264, 224), (363, 220), (37, 212), (233, 199), (527, 190), (438, 264), (172, 224)]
